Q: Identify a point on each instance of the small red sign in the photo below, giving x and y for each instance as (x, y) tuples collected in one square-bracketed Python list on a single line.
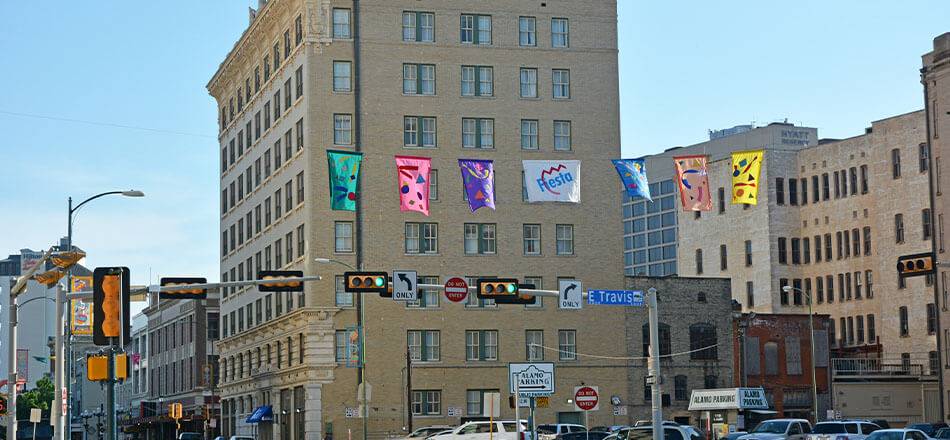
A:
[(586, 398), (456, 289)]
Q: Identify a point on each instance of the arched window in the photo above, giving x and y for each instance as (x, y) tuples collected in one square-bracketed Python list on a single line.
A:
[(664, 333), (679, 388), (702, 335)]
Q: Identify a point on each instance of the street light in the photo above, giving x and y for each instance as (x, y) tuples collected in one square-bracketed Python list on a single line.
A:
[(811, 332), (61, 357)]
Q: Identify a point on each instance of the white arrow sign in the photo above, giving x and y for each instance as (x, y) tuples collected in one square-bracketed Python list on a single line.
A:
[(405, 287), (571, 294)]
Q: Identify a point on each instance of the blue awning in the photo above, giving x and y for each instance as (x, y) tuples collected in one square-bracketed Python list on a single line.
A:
[(262, 414)]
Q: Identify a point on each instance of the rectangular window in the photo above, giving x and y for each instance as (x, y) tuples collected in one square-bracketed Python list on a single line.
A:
[(896, 163), (288, 98), (298, 75), (830, 282), (427, 402), (422, 238), (560, 32), (424, 345), (343, 298), (301, 241), (864, 179), (565, 239), (433, 184), (699, 261), (342, 76), (817, 239), (342, 129), (782, 250), (837, 184), (796, 251), (926, 224), (722, 200), (869, 282), (853, 180), (341, 24), (343, 236), (782, 282), (527, 31), (529, 134), (481, 345), (825, 187), (931, 319), (478, 133), (567, 345), (418, 79), (562, 135), (529, 82), (475, 29), (804, 191), (806, 251), (298, 33), (561, 83), (287, 43), (723, 258), (532, 239), (899, 228), (779, 191), (793, 192), (479, 238), (418, 26), (904, 326), (477, 81), (266, 116), (749, 294), (534, 343), (419, 131)]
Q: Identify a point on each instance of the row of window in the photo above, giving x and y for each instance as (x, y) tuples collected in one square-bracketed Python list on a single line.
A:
[(260, 311), (846, 182), (476, 29), (251, 224), (926, 226), (848, 244), (174, 377), (292, 405), (849, 287), (262, 259), (905, 324), (851, 326), (244, 364)]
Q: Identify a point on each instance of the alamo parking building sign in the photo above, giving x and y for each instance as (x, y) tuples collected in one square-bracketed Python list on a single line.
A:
[(534, 379), (728, 398)]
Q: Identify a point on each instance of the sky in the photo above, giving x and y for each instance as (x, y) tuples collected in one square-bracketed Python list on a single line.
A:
[(112, 96)]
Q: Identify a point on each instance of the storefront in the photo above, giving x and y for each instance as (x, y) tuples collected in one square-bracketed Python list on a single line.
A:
[(728, 410)]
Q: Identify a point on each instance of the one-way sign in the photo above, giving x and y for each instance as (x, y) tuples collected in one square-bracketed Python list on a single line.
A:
[(405, 287), (571, 294)]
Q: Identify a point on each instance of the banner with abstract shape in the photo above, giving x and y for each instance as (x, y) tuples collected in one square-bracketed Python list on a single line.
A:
[(81, 320), (413, 183), (478, 178), (693, 183), (354, 346), (344, 167), (633, 174), (746, 166), (552, 180)]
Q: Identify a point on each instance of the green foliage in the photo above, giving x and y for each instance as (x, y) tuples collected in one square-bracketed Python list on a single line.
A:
[(40, 397)]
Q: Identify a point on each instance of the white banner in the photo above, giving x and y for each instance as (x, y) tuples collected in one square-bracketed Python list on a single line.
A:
[(553, 180)]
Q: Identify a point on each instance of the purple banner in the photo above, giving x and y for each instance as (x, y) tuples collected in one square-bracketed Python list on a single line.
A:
[(478, 177)]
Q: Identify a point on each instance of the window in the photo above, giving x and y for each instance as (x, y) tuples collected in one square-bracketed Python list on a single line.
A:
[(793, 355), (343, 236), (562, 135), (825, 187), (529, 82), (779, 191), (702, 342), (722, 200), (806, 251), (527, 31), (864, 179), (869, 282), (474, 406), (339, 346), (560, 32), (926, 224), (680, 386), (300, 187), (475, 29), (856, 241), (418, 26), (817, 248), (424, 345), (837, 184), (287, 44), (418, 79), (931, 319), (793, 192), (872, 332), (342, 129), (804, 191), (433, 184), (341, 24), (419, 131), (532, 239), (664, 336), (567, 345), (343, 298), (299, 78), (782, 250), (561, 79), (771, 358), (427, 402), (288, 98), (782, 282), (699, 261), (565, 239), (422, 238), (815, 189), (866, 231), (342, 76), (534, 342), (267, 116), (481, 345), (899, 228), (896, 163), (853, 179), (479, 238), (301, 241), (477, 81), (902, 314), (723, 258), (478, 133), (529, 134), (796, 251)]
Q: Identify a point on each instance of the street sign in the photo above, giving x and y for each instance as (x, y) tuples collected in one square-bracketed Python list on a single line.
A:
[(571, 294), (456, 289), (455, 411), (36, 415), (633, 298), (586, 398), (534, 378), (620, 410), (405, 287)]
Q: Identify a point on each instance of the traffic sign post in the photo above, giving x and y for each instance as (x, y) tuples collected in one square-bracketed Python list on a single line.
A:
[(570, 294), (587, 399), (456, 289), (405, 287)]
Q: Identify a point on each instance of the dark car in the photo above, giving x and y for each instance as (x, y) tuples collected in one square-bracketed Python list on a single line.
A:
[(583, 435), (928, 428), (942, 433)]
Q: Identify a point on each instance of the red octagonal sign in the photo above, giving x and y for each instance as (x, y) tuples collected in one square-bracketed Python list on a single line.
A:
[(586, 398), (456, 289)]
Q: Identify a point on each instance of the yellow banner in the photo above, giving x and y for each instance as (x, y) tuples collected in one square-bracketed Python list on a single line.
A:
[(746, 166), (81, 321)]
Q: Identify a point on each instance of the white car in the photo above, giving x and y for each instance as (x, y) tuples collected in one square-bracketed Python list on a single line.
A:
[(780, 429), (503, 430), (551, 431), (427, 432), (671, 431), (842, 430), (898, 434)]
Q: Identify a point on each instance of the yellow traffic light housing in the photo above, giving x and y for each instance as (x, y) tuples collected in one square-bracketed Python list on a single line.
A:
[(280, 286), (492, 288), (110, 306), (915, 265), (97, 367), (186, 292), (175, 410), (371, 282)]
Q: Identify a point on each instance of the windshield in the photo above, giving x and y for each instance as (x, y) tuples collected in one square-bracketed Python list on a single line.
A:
[(829, 428), (886, 435), (771, 427)]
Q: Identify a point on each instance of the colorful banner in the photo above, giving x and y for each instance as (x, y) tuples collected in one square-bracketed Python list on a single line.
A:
[(745, 176), (478, 178), (344, 172), (553, 180), (354, 347), (693, 182), (633, 174), (413, 183), (22, 366), (81, 319)]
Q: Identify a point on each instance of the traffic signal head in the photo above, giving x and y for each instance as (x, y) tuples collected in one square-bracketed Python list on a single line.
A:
[(356, 282), (915, 265), (110, 308), (494, 288), (520, 298), (280, 286), (97, 367), (185, 292)]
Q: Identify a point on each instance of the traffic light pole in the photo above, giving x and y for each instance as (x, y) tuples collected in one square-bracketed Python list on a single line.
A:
[(110, 396), (11, 365), (56, 415)]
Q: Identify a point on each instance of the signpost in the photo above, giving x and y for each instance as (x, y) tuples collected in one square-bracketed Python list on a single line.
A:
[(533, 379), (36, 416), (586, 399), (456, 289), (405, 287), (571, 294)]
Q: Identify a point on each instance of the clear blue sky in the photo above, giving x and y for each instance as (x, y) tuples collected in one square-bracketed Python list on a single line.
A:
[(685, 67)]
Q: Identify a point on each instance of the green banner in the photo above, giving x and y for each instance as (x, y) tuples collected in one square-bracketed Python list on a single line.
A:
[(344, 172)]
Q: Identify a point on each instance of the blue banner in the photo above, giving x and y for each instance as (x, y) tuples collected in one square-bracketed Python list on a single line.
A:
[(633, 174)]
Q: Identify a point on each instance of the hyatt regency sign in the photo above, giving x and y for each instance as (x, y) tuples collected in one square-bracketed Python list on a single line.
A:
[(728, 398)]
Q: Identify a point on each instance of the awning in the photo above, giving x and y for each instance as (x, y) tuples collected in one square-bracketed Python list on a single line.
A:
[(262, 414)]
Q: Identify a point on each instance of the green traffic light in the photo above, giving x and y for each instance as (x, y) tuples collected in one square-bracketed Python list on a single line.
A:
[(512, 288), (380, 282)]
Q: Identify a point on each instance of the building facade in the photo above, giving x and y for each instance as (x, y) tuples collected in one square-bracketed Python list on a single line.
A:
[(498, 80)]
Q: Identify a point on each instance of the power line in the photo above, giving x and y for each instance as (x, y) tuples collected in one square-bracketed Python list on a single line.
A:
[(622, 358), (105, 124)]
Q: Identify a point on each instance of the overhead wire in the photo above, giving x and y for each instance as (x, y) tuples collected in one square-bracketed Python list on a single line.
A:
[(623, 358), (105, 124)]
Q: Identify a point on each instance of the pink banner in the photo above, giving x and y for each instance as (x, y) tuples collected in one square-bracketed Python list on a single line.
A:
[(413, 182), (693, 183)]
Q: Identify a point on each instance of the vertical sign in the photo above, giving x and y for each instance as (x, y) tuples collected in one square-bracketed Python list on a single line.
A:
[(22, 366), (354, 347), (81, 321)]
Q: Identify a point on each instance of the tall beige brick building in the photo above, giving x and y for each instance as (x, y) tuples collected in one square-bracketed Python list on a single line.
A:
[(500, 79)]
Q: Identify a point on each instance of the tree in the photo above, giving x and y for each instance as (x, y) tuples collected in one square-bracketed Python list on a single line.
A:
[(40, 397)]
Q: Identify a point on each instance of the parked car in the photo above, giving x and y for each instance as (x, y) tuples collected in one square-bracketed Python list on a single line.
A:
[(190, 436), (447, 431), (551, 431), (780, 429), (928, 428), (582, 435), (670, 432), (734, 435), (881, 422), (608, 429), (502, 430), (898, 434), (427, 431), (842, 430), (942, 433)]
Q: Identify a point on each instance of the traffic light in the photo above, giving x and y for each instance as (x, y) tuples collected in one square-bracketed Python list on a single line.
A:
[(373, 282), (97, 367), (186, 292), (174, 410), (494, 288), (110, 306), (292, 286), (520, 298), (915, 265)]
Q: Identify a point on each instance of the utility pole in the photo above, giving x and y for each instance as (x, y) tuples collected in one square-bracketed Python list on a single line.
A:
[(409, 387), (657, 395), (11, 364)]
